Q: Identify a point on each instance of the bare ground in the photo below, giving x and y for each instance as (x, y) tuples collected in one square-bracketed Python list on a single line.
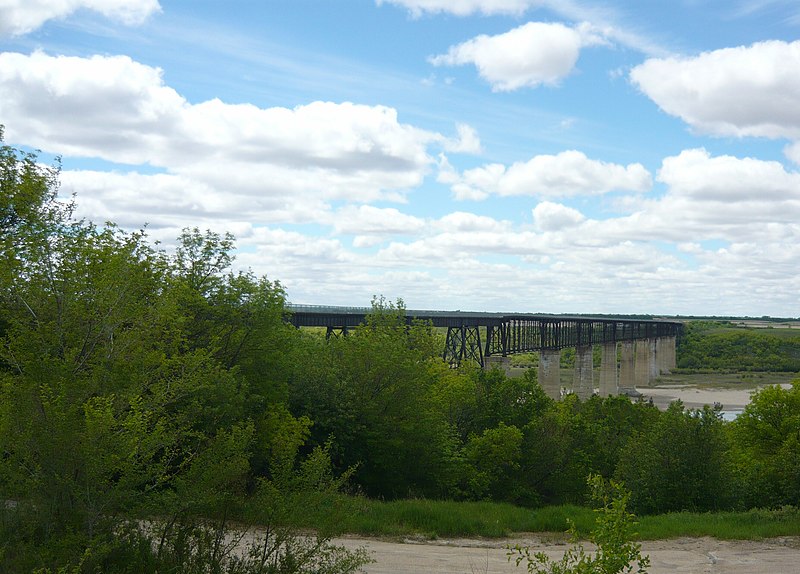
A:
[(688, 555)]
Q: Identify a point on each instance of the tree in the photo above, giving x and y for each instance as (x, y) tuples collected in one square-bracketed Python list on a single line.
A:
[(372, 392), (132, 384), (679, 463), (766, 437)]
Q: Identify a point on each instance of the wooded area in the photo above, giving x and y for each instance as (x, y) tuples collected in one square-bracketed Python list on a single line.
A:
[(147, 399)]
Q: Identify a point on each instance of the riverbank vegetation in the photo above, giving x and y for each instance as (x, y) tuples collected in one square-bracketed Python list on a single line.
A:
[(150, 400)]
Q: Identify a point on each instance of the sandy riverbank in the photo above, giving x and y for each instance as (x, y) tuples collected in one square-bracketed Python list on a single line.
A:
[(695, 397)]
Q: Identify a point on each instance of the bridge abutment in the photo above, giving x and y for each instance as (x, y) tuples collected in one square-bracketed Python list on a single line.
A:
[(583, 378), (608, 370), (550, 372)]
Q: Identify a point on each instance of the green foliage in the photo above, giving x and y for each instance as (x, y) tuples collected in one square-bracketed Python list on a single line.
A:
[(717, 345), (680, 463), (495, 456), (766, 445), (134, 384), (613, 536), (373, 393)]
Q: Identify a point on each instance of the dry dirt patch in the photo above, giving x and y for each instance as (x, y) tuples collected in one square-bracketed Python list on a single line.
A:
[(690, 555)]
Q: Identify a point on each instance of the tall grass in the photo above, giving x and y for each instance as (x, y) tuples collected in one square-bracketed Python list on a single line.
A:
[(340, 514), (750, 525)]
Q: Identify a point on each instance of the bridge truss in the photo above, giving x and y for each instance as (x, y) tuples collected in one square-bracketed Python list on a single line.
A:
[(475, 336)]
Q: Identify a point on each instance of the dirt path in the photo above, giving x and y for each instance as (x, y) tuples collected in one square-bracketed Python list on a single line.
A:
[(683, 555)]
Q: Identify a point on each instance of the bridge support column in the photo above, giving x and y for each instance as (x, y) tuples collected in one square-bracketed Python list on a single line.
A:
[(608, 370), (627, 373), (497, 362), (654, 364), (642, 363), (667, 354), (583, 379), (550, 372)]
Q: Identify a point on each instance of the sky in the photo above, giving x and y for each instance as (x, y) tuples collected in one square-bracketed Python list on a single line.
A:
[(571, 156)]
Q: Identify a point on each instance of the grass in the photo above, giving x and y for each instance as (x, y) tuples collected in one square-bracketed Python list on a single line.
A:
[(340, 514), (751, 525), (779, 332)]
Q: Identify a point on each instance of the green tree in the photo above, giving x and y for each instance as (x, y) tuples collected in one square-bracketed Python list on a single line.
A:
[(132, 384), (373, 392), (679, 463), (766, 437)]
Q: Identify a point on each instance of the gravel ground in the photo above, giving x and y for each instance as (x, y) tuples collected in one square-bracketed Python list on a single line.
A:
[(689, 555)]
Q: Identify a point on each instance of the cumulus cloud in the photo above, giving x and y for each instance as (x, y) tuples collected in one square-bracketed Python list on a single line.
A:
[(469, 222), (792, 152), (466, 142), (721, 198), (549, 216), (281, 158), (531, 55), (368, 220), (567, 174), (743, 91), (695, 173), (18, 17)]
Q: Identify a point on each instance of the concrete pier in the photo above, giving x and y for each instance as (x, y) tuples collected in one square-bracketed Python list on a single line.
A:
[(627, 369), (497, 362), (608, 370), (669, 360), (653, 364), (583, 379), (641, 363), (550, 372)]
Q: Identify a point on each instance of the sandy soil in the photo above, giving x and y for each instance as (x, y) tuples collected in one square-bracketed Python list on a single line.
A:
[(695, 555)]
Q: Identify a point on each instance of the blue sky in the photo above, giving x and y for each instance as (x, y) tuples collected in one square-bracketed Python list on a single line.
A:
[(501, 155)]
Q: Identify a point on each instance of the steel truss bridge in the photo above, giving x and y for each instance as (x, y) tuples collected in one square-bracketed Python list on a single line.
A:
[(476, 336)]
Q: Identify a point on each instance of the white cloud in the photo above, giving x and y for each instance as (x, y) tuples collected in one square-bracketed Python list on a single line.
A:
[(743, 91), (466, 142), (368, 220), (533, 54), (696, 174), (548, 216), (18, 17), (461, 221), (601, 17), (465, 7), (567, 174), (792, 152), (120, 110)]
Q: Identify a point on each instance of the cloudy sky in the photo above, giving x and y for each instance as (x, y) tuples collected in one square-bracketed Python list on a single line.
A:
[(559, 156)]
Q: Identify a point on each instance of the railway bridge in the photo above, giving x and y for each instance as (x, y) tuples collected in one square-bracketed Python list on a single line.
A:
[(633, 351)]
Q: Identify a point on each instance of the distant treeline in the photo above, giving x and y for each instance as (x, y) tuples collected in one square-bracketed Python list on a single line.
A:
[(724, 346)]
